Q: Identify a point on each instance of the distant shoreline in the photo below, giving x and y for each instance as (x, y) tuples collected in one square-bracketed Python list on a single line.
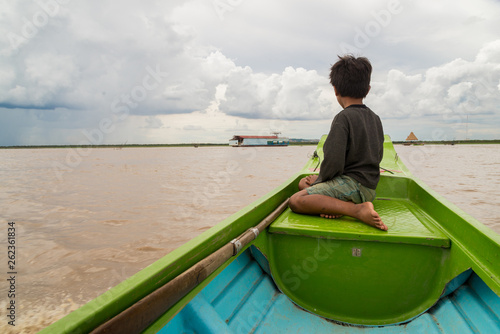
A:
[(448, 142), (295, 143), (117, 146)]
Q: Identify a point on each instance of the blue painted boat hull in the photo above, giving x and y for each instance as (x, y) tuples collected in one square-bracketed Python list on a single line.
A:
[(244, 299)]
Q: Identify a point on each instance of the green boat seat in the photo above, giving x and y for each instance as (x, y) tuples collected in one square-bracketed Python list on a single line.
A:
[(407, 221), (408, 224)]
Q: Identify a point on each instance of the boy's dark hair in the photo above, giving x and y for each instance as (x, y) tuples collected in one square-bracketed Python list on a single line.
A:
[(351, 76)]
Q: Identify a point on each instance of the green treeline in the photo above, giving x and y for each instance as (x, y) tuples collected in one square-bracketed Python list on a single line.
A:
[(292, 142), (116, 146)]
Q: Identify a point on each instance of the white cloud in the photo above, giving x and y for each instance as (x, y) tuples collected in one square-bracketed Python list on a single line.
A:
[(192, 127), (260, 61), (153, 122), (296, 93), (459, 87)]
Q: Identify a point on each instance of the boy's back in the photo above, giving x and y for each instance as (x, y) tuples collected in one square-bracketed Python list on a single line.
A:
[(356, 134)]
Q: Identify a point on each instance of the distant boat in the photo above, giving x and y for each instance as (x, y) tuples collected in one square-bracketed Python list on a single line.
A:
[(274, 140)]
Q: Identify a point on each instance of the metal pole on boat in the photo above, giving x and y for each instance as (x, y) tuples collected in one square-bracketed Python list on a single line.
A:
[(143, 313)]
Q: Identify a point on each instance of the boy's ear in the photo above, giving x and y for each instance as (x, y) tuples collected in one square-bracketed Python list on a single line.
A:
[(335, 89), (369, 87)]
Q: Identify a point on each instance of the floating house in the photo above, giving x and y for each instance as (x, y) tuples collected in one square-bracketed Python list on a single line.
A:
[(274, 140)]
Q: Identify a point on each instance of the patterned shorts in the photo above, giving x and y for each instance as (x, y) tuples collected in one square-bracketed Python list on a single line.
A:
[(344, 188)]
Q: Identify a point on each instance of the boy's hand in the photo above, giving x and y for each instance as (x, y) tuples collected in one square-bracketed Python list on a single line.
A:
[(310, 179), (307, 181)]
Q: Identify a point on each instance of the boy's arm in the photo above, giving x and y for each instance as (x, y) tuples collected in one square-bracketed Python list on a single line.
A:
[(334, 150)]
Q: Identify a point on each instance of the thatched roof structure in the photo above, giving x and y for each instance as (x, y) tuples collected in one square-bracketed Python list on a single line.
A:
[(412, 137)]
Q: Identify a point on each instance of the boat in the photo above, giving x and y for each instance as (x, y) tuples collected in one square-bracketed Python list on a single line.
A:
[(271, 140), (266, 269)]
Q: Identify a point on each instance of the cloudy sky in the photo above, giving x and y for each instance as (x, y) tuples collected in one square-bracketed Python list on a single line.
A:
[(105, 72)]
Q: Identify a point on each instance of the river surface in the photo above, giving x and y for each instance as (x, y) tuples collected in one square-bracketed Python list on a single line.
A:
[(86, 220)]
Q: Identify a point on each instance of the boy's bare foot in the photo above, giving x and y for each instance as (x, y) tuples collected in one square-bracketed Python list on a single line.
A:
[(324, 215), (368, 215)]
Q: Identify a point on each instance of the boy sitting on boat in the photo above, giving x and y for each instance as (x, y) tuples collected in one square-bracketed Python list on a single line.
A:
[(350, 170)]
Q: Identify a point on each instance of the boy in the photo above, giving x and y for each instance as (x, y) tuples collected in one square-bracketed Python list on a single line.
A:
[(353, 150)]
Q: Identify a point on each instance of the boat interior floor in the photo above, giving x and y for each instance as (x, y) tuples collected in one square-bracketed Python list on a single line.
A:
[(244, 299)]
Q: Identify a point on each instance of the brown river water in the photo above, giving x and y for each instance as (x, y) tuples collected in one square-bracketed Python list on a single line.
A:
[(87, 220)]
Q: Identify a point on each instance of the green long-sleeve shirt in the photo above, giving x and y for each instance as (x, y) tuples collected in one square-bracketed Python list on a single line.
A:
[(354, 147)]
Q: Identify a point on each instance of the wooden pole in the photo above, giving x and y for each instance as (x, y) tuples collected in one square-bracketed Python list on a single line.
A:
[(143, 313)]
